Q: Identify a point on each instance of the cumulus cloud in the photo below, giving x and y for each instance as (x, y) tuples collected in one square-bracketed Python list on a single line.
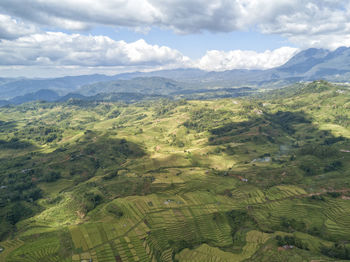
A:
[(183, 16), (322, 23), (55, 49), (287, 17), (11, 28), (306, 23), (215, 60), (60, 49), (82, 14)]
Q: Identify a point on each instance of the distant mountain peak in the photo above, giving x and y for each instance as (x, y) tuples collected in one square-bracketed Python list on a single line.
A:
[(307, 65), (304, 60)]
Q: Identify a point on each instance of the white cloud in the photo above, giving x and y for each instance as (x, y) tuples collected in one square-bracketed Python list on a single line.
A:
[(11, 28), (60, 49), (82, 14), (215, 60), (184, 16), (61, 52), (304, 22), (312, 23)]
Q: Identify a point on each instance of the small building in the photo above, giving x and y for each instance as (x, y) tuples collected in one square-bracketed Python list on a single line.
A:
[(243, 179)]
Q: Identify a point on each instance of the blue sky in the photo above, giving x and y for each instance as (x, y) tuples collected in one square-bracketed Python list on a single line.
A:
[(196, 45), (64, 37)]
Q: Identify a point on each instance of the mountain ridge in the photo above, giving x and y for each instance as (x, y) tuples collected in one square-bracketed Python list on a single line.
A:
[(308, 65)]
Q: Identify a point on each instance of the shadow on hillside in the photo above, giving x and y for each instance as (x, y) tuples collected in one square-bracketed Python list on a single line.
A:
[(6, 126), (304, 149), (15, 143), (283, 121), (93, 154)]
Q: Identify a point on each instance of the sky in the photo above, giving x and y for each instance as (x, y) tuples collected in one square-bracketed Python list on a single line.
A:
[(51, 38)]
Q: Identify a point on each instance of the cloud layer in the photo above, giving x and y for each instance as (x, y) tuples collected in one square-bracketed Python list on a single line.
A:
[(26, 42), (215, 60), (294, 19), (56, 49)]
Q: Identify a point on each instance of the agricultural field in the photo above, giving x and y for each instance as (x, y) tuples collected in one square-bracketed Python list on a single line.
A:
[(263, 178)]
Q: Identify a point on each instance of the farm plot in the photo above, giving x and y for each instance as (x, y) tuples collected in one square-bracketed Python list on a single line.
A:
[(281, 192), (104, 253), (9, 246), (43, 249), (272, 214), (338, 220), (130, 249), (189, 225), (254, 239)]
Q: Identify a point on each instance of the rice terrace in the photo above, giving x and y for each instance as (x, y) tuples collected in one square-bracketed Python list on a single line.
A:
[(178, 180)]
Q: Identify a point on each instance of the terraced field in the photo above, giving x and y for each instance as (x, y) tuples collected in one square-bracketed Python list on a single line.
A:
[(337, 219), (45, 249), (254, 240), (225, 180)]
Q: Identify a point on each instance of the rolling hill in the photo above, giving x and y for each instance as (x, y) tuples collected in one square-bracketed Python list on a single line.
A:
[(246, 179)]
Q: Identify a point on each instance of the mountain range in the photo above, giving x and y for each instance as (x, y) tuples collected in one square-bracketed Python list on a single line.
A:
[(308, 65)]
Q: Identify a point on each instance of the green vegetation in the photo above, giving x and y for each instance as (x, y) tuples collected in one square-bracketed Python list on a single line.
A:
[(249, 179)]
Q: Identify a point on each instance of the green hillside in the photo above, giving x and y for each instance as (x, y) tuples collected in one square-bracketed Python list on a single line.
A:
[(264, 178)]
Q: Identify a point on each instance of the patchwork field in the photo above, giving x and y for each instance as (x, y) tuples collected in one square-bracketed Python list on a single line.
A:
[(253, 179)]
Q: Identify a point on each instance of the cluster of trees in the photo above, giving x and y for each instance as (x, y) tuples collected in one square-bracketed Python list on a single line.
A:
[(91, 200), (342, 120), (51, 176), (319, 158), (338, 250), (177, 246), (204, 119), (239, 219), (319, 151), (176, 141), (333, 140), (42, 134), (17, 195), (334, 165), (14, 143), (115, 210), (114, 114), (17, 211), (291, 241), (165, 106), (11, 214), (17, 187), (291, 225), (286, 120), (19, 191)]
